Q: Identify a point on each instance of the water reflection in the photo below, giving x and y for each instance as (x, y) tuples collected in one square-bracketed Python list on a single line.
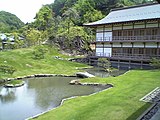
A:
[(38, 95), (7, 95), (101, 73)]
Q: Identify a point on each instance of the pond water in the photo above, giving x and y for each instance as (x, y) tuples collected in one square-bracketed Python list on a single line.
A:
[(101, 73), (38, 95), (156, 116)]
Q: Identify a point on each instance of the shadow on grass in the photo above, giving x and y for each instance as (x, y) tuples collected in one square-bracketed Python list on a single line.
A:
[(139, 112)]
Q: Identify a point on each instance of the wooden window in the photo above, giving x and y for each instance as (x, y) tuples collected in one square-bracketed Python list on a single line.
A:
[(130, 33), (142, 32), (151, 51), (141, 50), (125, 32), (119, 33), (136, 32)]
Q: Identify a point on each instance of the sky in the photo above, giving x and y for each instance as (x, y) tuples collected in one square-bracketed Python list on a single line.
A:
[(23, 9)]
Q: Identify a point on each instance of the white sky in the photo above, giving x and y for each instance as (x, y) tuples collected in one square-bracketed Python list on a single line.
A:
[(23, 9)]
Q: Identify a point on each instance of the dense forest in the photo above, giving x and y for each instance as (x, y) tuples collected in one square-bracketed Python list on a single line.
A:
[(61, 23), (9, 22)]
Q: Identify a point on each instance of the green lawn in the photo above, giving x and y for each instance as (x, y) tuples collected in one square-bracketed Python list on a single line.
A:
[(22, 61), (118, 103)]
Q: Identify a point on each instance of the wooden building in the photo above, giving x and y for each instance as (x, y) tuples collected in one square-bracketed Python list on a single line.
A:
[(129, 36)]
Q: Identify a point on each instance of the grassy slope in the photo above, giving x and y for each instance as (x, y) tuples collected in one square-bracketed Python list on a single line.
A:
[(22, 60), (118, 103)]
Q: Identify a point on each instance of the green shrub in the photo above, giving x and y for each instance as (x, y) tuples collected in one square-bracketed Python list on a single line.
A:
[(104, 63), (7, 69), (155, 63), (39, 52)]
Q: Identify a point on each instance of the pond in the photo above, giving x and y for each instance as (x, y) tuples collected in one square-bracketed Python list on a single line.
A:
[(156, 116), (39, 95), (101, 73)]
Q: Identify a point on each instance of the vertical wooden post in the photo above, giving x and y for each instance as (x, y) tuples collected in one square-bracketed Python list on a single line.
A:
[(103, 32), (132, 49), (144, 50), (103, 48), (141, 64), (157, 49), (129, 67), (118, 64)]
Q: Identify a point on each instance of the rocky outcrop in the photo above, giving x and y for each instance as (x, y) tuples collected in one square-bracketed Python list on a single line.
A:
[(77, 82)]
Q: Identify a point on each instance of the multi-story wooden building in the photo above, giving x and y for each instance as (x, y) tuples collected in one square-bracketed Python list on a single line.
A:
[(129, 36)]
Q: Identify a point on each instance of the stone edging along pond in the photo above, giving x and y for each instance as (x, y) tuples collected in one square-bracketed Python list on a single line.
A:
[(36, 75), (73, 82)]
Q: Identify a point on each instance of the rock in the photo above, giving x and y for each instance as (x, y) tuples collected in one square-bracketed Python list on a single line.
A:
[(75, 82), (19, 78), (84, 75), (28, 65), (9, 79)]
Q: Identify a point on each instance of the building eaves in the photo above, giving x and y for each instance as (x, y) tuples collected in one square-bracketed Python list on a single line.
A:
[(127, 14)]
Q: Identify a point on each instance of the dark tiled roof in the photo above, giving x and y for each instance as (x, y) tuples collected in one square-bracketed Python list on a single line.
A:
[(143, 12)]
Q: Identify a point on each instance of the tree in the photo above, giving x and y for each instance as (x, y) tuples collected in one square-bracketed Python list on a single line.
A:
[(43, 18), (104, 63), (33, 37), (70, 15)]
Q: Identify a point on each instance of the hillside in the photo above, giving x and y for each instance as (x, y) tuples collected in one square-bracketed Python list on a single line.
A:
[(25, 63), (9, 22)]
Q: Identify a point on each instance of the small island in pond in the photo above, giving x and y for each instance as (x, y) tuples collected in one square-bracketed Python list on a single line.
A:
[(14, 83)]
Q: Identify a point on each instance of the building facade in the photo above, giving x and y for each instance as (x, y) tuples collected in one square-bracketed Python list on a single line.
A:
[(129, 36)]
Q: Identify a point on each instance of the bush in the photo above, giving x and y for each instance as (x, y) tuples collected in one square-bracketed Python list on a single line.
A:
[(39, 52), (104, 63), (7, 69), (155, 63)]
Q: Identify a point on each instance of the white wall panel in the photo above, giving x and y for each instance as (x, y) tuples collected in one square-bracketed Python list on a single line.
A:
[(116, 45), (108, 28), (138, 45), (128, 27), (99, 51), (117, 27), (127, 45), (107, 45), (107, 52), (99, 45), (139, 25), (152, 25), (151, 45), (108, 36), (99, 36), (99, 29)]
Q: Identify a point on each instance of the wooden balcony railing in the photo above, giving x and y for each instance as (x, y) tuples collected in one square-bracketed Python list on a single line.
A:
[(129, 38), (128, 56)]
